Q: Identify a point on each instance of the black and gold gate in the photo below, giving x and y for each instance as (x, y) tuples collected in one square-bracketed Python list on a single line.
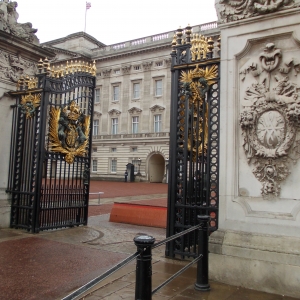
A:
[(50, 147), (194, 138)]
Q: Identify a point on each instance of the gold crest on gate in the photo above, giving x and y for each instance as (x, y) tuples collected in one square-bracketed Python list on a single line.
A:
[(69, 131)]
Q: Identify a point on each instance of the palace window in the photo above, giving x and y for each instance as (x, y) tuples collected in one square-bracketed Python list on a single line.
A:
[(136, 90), (157, 123), (116, 93), (135, 124), (97, 95), (95, 127), (158, 87), (114, 125), (94, 165), (113, 166)]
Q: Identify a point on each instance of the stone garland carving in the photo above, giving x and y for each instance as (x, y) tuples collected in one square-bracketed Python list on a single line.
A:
[(106, 73), (234, 10), (8, 23), (147, 65), (270, 119), (13, 67), (126, 69)]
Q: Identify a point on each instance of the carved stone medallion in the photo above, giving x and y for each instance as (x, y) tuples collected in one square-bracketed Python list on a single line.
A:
[(270, 119)]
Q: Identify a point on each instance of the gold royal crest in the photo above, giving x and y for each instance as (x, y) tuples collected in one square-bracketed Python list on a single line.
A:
[(69, 131)]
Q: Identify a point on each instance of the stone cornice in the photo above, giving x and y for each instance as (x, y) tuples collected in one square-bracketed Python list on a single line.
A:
[(60, 50), (16, 44)]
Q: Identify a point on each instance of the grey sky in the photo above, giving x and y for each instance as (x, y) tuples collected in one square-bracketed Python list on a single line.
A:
[(113, 21)]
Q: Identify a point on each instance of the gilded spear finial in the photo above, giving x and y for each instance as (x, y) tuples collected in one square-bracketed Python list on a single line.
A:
[(40, 65), (94, 68), (188, 31), (179, 35)]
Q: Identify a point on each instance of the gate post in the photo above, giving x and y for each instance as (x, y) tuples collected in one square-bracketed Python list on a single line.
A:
[(202, 283), (143, 282)]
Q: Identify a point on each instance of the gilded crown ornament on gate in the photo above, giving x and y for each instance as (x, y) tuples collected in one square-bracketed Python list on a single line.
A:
[(69, 131), (270, 119), (194, 85), (29, 103)]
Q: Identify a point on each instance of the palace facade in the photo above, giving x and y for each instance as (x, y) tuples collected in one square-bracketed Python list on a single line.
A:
[(131, 122)]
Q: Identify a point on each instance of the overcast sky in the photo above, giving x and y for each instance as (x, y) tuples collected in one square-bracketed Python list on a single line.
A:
[(113, 21)]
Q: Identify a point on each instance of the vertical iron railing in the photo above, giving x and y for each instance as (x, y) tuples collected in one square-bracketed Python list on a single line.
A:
[(50, 185), (194, 139)]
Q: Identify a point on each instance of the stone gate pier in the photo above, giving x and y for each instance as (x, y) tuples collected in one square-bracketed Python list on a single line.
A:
[(19, 53), (258, 242)]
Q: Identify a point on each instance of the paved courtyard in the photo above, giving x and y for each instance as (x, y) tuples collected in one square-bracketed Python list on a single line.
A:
[(51, 264)]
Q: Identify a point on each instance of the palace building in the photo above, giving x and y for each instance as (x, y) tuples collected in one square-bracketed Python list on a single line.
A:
[(131, 122)]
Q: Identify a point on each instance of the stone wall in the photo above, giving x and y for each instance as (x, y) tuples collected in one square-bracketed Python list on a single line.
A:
[(257, 245), (19, 53)]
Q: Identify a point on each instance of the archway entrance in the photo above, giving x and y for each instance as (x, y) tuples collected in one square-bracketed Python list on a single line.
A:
[(156, 168)]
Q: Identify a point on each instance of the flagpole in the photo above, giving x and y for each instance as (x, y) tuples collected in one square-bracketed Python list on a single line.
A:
[(87, 6), (85, 19)]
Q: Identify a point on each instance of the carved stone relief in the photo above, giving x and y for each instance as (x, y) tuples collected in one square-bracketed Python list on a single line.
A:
[(126, 69), (12, 67), (234, 10), (270, 118), (168, 62), (106, 73), (147, 65)]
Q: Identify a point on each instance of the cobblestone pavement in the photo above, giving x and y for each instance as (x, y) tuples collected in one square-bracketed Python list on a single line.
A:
[(52, 264)]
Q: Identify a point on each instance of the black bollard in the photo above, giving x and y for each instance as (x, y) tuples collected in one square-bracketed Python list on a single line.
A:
[(202, 265), (143, 282)]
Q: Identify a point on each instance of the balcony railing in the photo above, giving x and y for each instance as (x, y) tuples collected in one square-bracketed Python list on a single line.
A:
[(154, 39), (131, 136)]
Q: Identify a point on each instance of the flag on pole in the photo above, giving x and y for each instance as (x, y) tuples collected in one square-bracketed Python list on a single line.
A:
[(88, 5)]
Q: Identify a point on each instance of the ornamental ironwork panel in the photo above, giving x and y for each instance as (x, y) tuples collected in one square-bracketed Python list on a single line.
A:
[(194, 139), (50, 147)]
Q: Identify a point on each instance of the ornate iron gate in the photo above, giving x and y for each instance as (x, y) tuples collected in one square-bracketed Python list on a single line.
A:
[(194, 139), (50, 147)]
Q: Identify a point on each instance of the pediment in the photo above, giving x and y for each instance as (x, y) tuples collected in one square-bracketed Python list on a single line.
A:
[(113, 112), (134, 110), (157, 108)]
